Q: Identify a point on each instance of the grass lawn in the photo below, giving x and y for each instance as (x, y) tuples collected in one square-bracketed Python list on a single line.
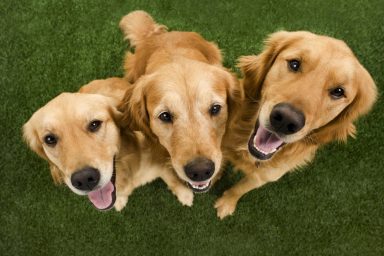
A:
[(334, 206)]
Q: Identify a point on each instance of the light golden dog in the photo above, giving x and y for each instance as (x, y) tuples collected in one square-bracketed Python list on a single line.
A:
[(302, 91), (181, 99), (78, 134)]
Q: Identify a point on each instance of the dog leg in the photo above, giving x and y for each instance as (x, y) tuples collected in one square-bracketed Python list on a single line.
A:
[(122, 198), (126, 188), (183, 194), (226, 204)]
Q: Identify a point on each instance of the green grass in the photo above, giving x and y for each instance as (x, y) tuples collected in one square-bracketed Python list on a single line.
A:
[(334, 206)]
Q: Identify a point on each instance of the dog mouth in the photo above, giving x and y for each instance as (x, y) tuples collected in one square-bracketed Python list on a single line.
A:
[(199, 187), (104, 198), (263, 144)]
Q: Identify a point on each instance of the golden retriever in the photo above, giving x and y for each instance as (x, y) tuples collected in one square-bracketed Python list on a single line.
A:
[(181, 99), (302, 91), (78, 134)]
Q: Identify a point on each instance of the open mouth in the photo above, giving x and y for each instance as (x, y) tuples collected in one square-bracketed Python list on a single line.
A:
[(263, 144), (199, 187), (104, 198)]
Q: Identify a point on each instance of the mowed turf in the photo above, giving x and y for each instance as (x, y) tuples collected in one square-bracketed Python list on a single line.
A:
[(334, 206)]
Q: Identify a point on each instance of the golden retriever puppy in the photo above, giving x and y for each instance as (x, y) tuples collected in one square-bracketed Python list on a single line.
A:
[(181, 99), (302, 91), (78, 134)]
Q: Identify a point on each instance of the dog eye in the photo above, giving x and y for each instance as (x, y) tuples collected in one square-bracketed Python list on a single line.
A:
[(215, 109), (294, 65), (337, 93), (50, 140), (94, 126), (166, 117)]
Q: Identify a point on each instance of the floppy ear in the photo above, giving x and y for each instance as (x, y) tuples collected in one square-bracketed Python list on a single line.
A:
[(235, 96), (342, 126), (113, 89), (32, 139), (115, 113), (256, 67), (55, 173), (134, 108)]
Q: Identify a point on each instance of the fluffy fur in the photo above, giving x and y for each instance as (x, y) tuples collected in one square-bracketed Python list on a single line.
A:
[(67, 117), (181, 74), (326, 63)]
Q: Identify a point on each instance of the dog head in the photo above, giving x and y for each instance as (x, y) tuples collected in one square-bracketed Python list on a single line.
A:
[(77, 134), (185, 107), (308, 87)]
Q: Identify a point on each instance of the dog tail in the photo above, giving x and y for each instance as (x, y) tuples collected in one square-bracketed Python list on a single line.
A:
[(139, 25)]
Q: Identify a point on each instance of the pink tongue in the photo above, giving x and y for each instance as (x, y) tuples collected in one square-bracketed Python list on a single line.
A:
[(265, 140), (102, 198)]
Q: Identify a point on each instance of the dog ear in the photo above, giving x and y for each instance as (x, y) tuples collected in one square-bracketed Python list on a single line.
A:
[(32, 139), (55, 173), (342, 126), (235, 95), (113, 89), (134, 108), (256, 67), (112, 106)]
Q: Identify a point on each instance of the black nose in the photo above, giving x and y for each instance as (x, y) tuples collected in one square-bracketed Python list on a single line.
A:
[(85, 179), (286, 119), (199, 169)]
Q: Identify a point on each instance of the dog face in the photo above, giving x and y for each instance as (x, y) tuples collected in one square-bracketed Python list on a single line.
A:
[(77, 135), (308, 87), (185, 107)]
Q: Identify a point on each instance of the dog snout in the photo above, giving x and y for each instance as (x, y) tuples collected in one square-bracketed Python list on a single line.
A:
[(85, 179), (286, 119), (199, 169)]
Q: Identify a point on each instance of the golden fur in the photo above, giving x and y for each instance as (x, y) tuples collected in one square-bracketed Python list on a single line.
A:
[(326, 63), (67, 117), (179, 73)]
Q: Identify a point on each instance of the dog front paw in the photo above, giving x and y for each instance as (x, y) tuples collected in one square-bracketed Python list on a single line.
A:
[(226, 205), (185, 196), (120, 203)]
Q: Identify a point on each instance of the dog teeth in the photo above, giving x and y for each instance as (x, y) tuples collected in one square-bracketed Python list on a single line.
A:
[(264, 152), (200, 187)]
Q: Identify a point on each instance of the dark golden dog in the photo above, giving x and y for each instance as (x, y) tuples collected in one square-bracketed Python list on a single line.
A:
[(302, 91), (181, 98)]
